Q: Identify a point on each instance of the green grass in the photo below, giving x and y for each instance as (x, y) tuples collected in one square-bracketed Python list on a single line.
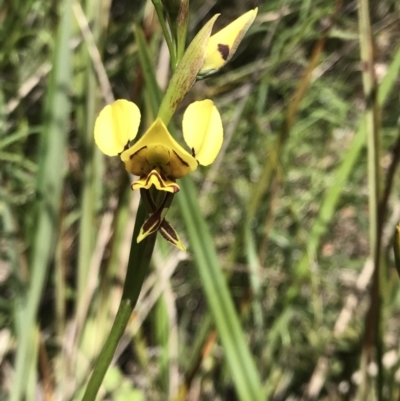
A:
[(274, 298)]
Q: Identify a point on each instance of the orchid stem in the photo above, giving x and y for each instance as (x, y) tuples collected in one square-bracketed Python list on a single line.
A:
[(139, 260)]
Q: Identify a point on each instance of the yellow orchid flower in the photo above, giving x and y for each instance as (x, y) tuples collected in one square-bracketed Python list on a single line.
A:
[(222, 45), (156, 157)]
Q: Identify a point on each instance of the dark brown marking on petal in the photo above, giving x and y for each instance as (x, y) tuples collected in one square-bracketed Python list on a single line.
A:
[(165, 235), (224, 50), (193, 152), (162, 175), (168, 232), (137, 152), (126, 147), (159, 178), (152, 223), (182, 161)]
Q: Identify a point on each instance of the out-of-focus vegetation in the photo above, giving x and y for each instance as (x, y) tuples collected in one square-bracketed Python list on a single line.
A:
[(286, 204)]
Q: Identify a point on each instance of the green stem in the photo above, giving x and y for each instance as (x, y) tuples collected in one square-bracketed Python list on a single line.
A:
[(139, 260), (172, 52)]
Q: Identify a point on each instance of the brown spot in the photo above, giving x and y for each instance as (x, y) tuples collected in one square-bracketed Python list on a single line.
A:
[(224, 50), (193, 153)]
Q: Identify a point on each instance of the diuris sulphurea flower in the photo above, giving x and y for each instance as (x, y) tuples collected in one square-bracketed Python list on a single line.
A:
[(157, 158)]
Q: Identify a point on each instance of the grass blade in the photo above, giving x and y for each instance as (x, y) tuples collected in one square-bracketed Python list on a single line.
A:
[(49, 187), (239, 360), (372, 336)]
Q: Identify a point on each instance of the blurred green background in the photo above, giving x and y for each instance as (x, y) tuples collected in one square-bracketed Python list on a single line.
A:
[(286, 204)]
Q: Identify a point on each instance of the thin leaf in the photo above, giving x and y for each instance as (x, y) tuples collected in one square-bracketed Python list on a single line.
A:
[(240, 362), (49, 187)]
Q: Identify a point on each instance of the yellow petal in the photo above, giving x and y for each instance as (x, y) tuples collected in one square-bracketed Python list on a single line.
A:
[(156, 179), (202, 130), (116, 125), (149, 153), (222, 46)]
